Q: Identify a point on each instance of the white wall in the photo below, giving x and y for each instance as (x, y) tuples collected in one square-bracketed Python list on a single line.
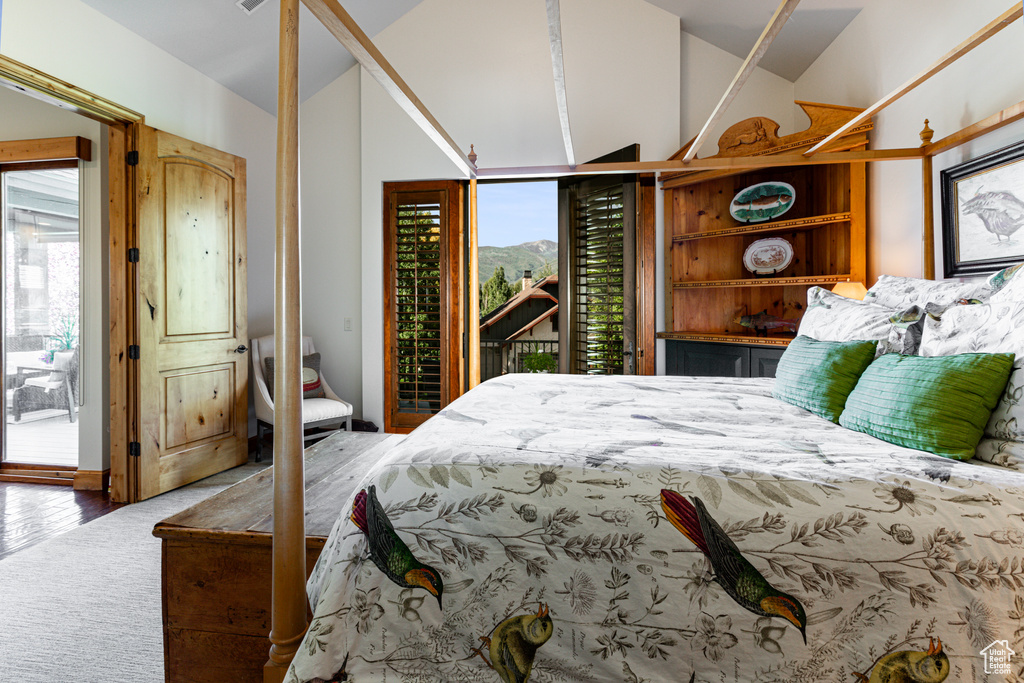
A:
[(707, 71), (883, 47), (70, 40), (26, 118), (331, 236), (483, 68)]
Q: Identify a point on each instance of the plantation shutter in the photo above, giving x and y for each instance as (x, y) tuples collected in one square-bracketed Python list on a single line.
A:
[(598, 231), (423, 349), (598, 281)]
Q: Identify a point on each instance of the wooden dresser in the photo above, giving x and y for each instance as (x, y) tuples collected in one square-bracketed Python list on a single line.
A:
[(217, 561)]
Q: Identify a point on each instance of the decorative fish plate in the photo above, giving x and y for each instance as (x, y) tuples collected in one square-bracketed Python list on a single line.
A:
[(762, 202), (768, 256)]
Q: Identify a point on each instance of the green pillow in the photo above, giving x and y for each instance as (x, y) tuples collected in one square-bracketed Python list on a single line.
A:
[(819, 375), (938, 404)]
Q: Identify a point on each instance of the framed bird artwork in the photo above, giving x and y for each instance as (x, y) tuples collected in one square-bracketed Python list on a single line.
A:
[(983, 213)]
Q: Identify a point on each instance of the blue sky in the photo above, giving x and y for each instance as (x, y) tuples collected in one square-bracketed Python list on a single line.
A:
[(513, 213)]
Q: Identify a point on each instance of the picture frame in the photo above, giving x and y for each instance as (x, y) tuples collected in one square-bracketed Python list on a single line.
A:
[(983, 213)]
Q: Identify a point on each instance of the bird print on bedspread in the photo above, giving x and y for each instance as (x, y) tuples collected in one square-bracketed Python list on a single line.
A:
[(740, 579), (391, 555), (514, 643), (909, 666)]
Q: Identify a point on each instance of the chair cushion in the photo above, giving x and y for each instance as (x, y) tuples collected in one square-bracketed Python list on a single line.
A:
[(312, 387), (317, 409)]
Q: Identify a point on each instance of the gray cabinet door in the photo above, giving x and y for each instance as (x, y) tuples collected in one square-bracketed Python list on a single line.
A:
[(763, 361), (699, 359)]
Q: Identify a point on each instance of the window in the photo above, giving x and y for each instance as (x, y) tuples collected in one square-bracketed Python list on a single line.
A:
[(422, 295)]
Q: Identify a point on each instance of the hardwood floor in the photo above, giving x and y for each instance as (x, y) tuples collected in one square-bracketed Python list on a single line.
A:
[(30, 513)]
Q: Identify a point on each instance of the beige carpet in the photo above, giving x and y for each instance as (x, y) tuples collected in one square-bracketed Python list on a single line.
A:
[(84, 607)]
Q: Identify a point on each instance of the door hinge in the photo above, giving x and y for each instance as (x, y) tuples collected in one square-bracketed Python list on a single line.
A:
[(134, 449), (132, 158), (133, 255), (133, 352)]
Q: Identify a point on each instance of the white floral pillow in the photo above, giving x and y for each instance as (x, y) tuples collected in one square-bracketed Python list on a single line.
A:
[(831, 317), (995, 327), (1005, 284), (900, 292)]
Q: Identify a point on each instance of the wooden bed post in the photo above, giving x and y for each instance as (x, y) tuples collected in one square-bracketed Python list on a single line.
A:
[(928, 210), (288, 620)]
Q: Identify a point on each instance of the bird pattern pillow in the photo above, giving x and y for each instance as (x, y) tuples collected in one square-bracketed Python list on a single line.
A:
[(831, 317), (900, 292), (996, 327)]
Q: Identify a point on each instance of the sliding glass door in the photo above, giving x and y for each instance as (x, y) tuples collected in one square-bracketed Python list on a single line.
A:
[(41, 265)]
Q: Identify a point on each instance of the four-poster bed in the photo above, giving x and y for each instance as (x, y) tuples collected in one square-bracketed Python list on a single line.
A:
[(289, 554)]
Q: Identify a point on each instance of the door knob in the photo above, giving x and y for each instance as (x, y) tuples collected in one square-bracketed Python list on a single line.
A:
[(241, 349)]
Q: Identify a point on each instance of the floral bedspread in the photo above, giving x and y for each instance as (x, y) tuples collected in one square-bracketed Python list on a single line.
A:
[(564, 528)]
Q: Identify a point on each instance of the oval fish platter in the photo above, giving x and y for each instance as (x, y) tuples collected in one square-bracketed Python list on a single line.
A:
[(768, 256), (762, 202)]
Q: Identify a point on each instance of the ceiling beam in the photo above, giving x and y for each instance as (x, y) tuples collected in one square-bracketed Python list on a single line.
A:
[(778, 20), (708, 164), (992, 28), (344, 28), (555, 37)]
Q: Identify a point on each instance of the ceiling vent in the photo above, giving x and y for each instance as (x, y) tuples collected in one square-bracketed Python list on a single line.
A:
[(250, 6)]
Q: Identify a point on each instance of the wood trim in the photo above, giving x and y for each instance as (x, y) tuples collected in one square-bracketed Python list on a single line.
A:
[(39, 165), (646, 259), (121, 292), (986, 125), (858, 222), (979, 37), (775, 24), (333, 16), (45, 149), (671, 212), (709, 164), (473, 298), (289, 553), (35, 83), (92, 480), (52, 477), (558, 66)]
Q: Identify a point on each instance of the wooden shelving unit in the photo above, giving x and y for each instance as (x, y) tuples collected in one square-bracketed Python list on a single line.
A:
[(708, 287)]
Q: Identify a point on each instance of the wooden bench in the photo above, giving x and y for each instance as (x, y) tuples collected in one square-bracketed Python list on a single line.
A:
[(217, 561)]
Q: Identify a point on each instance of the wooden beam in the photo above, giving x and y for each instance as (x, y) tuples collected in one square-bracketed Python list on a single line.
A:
[(333, 16), (288, 602), (555, 37), (778, 20), (45, 149), (992, 28), (987, 125), (709, 164)]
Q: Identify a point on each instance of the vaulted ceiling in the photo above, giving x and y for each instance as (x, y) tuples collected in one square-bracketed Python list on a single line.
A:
[(239, 49)]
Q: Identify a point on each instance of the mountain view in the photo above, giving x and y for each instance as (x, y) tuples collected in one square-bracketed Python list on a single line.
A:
[(516, 259)]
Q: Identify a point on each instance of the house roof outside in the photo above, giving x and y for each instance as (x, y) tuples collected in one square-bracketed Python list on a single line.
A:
[(537, 291)]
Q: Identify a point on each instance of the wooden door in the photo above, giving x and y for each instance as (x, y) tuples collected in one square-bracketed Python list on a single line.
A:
[(193, 367)]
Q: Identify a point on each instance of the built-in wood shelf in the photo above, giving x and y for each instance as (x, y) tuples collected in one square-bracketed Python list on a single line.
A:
[(781, 339), (808, 281), (794, 225)]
